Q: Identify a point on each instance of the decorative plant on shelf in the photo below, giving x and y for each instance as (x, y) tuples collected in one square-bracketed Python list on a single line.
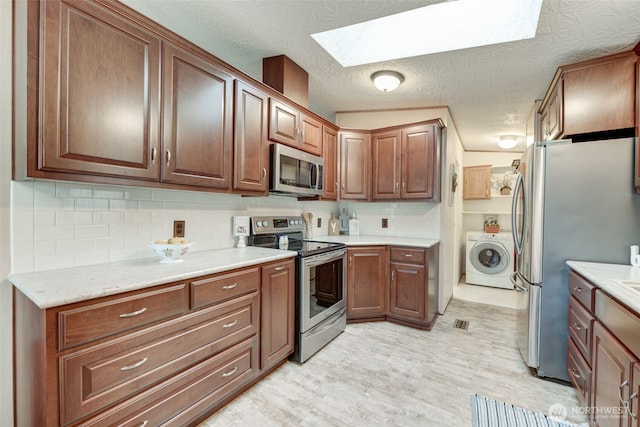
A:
[(505, 189)]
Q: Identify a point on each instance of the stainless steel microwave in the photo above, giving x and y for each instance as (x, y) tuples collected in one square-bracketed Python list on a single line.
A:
[(295, 172)]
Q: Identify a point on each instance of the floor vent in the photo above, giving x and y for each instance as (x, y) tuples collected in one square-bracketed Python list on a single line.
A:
[(461, 324)]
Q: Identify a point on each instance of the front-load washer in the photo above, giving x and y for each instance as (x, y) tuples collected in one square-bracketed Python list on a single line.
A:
[(490, 259)]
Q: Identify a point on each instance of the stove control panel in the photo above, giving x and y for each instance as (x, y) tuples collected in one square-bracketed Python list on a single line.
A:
[(276, 224)]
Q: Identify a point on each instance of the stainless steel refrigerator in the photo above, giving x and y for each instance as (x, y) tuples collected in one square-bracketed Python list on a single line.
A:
[(571, 202)]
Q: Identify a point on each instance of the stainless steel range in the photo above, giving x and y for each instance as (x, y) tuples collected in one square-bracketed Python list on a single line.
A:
[(321, 281)]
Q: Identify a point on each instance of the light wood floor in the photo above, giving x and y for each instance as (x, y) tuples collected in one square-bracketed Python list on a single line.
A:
[(383, 374)]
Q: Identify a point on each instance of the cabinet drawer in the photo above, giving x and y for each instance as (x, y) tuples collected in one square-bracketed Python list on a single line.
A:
[(580, 327), (579, 372), (582, 290), (202, 386), (99, 376), (215, 289), (408, 255), (94, 321)]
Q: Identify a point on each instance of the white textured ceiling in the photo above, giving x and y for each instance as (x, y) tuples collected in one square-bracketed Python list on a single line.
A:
[(489, 90)]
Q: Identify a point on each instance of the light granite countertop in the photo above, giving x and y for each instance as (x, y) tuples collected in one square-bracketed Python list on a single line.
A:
[(608, 277), (53, 288), (379, 240)]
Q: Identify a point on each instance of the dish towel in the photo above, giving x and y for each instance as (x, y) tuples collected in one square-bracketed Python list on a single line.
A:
[(486, 412)]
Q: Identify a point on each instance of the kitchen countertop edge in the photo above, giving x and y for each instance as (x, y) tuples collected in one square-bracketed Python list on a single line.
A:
[(53, 288), (606, 277), (379, 240)]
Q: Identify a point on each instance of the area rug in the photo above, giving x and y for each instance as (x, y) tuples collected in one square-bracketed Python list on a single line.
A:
[(486, 412)]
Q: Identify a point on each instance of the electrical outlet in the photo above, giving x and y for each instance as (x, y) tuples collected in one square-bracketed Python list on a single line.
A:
[(178, 228), (385, 223), (319, 222)]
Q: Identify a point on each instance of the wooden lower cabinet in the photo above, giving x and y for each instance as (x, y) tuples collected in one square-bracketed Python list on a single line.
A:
[(613, 365), (278, 313), (367, 282), (171, 354), (392, 283)]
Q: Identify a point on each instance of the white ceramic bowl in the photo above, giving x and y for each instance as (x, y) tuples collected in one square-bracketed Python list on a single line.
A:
[(171, 253)]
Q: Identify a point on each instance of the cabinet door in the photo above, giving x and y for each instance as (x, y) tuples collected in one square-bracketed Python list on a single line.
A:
[(100, 93), (476, 182), (385, 148), (284, 126), (551, 116), (278, 303), (354, 165), (637, 151), (251, 146), (634, 397), (197, 132), (311, 135), (330, 148), (407, 293), (612, 365), (367, 282), (600, 96), (419, 157)]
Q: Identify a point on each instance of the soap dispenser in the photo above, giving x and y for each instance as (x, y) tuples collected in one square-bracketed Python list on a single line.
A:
[(354, 225)]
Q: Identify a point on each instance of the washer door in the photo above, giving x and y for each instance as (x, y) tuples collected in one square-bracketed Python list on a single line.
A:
[(489, 257)]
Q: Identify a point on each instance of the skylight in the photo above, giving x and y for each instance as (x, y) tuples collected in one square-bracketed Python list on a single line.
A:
[(436, 28)]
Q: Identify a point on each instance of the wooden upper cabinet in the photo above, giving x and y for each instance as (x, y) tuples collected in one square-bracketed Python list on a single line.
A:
[(385, 148), (594, 96), (100, 92), (551, 118), (251, 147), (420, 162), (197, 123), (330, 155), (288, 125), (599, 95), (355, 152), (406, 162), (476, 182)]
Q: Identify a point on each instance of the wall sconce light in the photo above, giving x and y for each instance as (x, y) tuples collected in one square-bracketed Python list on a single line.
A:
[(507, 141), (387, 80)]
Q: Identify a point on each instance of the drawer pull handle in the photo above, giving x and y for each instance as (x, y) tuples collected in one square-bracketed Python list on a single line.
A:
[(576, 326), (279, 268), (407, 255), (227, 287), (230, 325), (231, 372), (575, 373), (577, 289), (144, 423), (135, 365), (134, 313)]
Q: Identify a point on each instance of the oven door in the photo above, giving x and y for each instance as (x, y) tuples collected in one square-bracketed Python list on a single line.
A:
[(322, 288)]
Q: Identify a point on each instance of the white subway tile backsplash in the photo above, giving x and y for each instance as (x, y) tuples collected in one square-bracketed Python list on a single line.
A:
[(55, 232), (91, 231), (76, 246), (62, 224), (92, 204), (73, 218), (123, 205)]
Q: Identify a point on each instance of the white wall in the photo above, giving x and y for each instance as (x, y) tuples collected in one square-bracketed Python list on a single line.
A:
[(6, 349)]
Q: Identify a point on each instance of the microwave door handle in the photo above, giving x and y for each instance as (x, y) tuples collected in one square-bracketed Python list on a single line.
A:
[(311, 175), (318, 176)]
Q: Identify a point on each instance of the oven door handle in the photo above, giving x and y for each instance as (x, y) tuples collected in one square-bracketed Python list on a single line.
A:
[(323, 258)]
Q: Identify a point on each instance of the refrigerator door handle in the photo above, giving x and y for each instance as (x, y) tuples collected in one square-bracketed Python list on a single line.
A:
[(517, 240), (514, 281)]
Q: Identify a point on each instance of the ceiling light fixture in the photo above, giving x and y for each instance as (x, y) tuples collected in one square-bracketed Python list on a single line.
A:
[(387, 80), (507, 141)]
